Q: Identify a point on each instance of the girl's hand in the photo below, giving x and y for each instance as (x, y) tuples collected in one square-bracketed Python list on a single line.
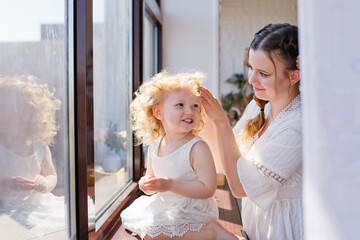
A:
[(141, 184), (213, 108), (41, 184), (19, 183), (158, 184)]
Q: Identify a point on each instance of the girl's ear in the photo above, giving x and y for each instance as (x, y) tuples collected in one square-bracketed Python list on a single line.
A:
[(157, 112), (294, 76)]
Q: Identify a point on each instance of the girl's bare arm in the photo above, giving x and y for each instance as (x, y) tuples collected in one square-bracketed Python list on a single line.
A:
[(47, 181)]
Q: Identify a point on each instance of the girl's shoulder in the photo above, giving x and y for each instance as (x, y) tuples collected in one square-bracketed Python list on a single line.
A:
[(39, 150), (198, 143), (154, 146)]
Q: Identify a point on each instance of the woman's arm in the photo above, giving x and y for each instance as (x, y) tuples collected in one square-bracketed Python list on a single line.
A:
[(221, 137), (204, 167)]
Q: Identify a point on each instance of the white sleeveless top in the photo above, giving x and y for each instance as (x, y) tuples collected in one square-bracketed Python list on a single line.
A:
[(166, 212), (12, 164)]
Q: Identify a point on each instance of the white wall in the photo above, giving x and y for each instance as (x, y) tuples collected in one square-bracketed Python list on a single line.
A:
[(190, 38), (330, 65), (239, 21)]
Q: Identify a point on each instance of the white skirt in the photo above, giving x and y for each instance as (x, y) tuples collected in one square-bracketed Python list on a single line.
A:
[(169, 214)]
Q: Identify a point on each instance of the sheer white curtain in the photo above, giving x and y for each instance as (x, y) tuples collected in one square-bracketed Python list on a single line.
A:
[(330, 63)]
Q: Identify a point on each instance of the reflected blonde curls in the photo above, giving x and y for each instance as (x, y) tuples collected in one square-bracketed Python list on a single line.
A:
[(40, 101), (146, 126)]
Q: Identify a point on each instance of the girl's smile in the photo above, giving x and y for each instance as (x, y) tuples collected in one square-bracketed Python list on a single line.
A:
[(179, 111), (188, 120)]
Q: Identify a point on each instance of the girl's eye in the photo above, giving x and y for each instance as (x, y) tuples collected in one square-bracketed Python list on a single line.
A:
[(196, 106), (180, 105)]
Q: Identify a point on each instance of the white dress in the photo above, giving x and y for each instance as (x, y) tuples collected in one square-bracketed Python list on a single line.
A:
[(166, 212), (270, 171), (40, 213)]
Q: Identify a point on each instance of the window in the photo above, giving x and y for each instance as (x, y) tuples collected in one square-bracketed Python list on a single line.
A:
[(34, 123), (83, 59), (150, 53), (112, 92)]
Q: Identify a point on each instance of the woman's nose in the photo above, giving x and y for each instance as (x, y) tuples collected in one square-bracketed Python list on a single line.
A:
[(251, 77)]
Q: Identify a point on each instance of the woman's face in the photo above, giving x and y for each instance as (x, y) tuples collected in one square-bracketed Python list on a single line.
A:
[(269, 79)]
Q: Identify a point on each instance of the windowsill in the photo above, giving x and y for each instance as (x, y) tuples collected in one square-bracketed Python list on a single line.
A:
[(112, 220)]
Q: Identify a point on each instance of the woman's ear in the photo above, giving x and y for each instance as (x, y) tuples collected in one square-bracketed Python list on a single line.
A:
[(294, 76), (157, 112)]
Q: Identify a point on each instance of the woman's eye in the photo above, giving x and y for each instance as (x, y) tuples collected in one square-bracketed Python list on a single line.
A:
[(263, 74)]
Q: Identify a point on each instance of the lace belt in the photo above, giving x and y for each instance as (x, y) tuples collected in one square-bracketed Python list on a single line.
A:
[(289, 192)]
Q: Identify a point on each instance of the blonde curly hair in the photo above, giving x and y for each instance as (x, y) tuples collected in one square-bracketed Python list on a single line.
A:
[(146, 126), (40, 101)]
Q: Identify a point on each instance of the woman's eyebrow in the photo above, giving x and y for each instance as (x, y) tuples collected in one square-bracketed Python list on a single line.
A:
[(259, 69)]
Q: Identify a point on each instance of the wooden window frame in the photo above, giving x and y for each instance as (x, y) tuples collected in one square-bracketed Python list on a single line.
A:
[(83, 108), (83, 82)]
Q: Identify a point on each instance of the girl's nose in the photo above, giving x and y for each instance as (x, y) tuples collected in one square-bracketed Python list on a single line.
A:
[(188, 110)]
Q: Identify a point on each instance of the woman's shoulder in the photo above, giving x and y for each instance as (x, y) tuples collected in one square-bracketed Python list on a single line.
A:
[(251, 108), (291, 116), (251, 111)]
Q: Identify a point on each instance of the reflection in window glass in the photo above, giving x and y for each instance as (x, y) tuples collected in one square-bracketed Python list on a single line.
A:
[(112, 77), (33, 120)]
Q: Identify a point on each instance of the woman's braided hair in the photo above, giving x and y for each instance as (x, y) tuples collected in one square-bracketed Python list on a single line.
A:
[(282, 40)]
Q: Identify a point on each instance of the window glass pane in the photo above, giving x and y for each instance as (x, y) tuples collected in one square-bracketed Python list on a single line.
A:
[(112, 77), (150, 48), (33, 119), (150, 58)]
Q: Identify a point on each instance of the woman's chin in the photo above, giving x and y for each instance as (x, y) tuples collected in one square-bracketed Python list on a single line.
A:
[(261, 96)]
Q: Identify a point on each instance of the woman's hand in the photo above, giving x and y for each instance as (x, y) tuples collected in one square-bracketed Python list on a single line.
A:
[(157, 184), (213, 108)]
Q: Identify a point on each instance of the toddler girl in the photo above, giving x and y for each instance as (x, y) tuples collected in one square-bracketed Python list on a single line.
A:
[(27, 173), (167, 115)]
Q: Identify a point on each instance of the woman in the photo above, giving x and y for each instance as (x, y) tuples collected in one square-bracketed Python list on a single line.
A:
[(262, 155)]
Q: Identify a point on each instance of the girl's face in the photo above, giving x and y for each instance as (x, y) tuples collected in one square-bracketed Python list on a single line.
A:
[(14, 114), (179, 111), (9, 111), (270, 80)]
